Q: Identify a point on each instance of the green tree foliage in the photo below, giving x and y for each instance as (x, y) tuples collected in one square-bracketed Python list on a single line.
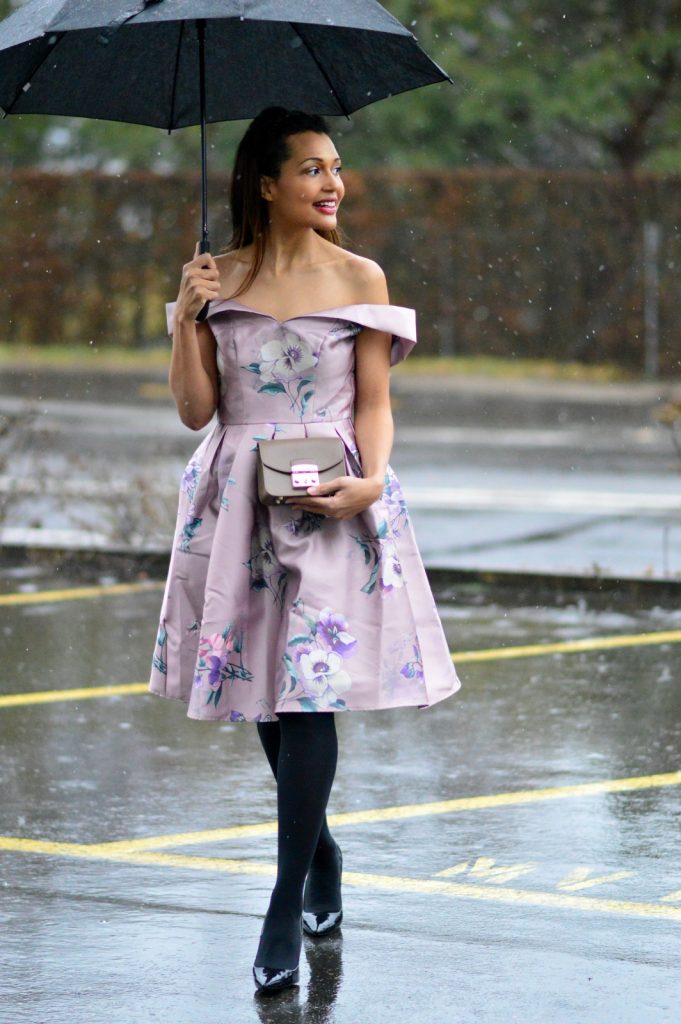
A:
[(593, 83)]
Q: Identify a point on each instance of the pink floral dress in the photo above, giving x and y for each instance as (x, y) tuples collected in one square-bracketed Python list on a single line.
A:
[(269, 609)]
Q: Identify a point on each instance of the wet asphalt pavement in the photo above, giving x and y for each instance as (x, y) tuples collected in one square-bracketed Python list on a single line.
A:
[(510, 854)]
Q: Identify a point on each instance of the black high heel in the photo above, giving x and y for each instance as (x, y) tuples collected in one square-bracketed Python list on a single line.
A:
[(324, 922), (274, 979)]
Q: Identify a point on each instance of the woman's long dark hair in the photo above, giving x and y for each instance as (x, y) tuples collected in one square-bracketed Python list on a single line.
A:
[(262, 151)]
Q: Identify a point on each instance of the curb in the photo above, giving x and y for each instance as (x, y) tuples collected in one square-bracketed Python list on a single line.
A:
[(449, 585), (535, 588)]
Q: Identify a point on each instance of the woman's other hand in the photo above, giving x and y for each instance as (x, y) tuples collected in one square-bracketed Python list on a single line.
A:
[(341, 498), (200, 283)]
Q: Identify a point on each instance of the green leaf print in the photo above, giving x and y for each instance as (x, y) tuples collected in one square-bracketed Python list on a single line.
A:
[(288, 661), (370, 584), (306, 704), (272, 389), (366, 550)]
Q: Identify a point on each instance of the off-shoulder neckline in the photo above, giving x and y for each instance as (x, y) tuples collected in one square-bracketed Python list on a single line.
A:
[(303, 316)]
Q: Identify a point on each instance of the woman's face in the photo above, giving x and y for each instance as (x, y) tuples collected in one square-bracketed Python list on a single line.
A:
[(309, 189)]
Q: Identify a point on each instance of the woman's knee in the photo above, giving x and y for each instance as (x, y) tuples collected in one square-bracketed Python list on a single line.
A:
[(308, 725)]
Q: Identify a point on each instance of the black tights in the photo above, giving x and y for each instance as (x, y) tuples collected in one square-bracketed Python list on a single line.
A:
[(302, 750)]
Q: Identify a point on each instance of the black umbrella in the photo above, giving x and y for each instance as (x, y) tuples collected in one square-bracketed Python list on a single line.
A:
[(173, 63)]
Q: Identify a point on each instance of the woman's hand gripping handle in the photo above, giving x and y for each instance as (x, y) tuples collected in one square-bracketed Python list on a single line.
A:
[(199, 284)]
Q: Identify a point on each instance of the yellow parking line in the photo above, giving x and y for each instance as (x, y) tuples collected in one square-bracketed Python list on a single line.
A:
[(460, 657), (401, 811), (391, 883), (79, 593), (595, 643), (13, 700)]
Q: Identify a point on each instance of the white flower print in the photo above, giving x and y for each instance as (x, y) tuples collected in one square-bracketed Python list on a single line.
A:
[(286, 359), (287, 367), (315, 671), (324, 679), (391, 569)]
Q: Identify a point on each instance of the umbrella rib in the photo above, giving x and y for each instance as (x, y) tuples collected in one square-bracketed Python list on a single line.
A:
[(27, 81), (175, 76), (326, 78)]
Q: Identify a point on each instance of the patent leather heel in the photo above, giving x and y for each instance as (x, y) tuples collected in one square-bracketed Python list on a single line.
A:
[(318, 923), (274, 979)]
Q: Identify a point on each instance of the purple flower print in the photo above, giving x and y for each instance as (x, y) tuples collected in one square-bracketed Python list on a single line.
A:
[(394, 503), (302, 649), (190, 477), (332, 629), (215, 650), (316, 667), (413, 669), (219, 661), (214, 671)]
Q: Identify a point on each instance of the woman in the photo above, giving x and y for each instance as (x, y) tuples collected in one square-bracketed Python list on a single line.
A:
[(321, 605)]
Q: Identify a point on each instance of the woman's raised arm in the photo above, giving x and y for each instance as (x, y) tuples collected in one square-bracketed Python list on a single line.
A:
[(193, 375)]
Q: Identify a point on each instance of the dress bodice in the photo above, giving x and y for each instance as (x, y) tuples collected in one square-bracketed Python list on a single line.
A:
[(296, 370)]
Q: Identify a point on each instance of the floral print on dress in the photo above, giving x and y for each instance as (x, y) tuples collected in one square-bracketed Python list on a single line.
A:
[(276, 429), (346, 328), (159, 660), (401, 672), (189, 529), (413, 669), (316, 666), (356, 650), (305, 524), (224, 500), (286, 367), (380, 551), (267, 572), (394, 503), (192, 522), (219, 661), (262, 716), (190, 477)]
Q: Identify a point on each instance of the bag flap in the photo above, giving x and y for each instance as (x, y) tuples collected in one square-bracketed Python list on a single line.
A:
[(325, 452)]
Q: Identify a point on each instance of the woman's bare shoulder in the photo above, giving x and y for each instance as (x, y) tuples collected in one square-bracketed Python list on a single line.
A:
[(232, 267), (364, 278)]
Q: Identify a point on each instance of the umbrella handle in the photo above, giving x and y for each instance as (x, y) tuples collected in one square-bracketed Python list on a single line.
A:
[(205, 244)]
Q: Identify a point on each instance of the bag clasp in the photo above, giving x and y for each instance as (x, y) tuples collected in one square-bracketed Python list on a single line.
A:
[(304, 474)]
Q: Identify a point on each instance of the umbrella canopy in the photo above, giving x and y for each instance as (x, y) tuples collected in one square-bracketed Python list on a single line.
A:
[(173, 63), (137, 60)]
